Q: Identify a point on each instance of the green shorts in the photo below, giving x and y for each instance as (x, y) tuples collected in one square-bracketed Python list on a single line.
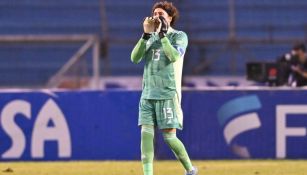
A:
[(161, 113)]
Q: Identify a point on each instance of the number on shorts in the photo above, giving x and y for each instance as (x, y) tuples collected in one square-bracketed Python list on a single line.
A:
[(168, 113)]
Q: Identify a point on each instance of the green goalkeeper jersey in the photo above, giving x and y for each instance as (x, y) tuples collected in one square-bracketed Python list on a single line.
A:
[(163, 64)]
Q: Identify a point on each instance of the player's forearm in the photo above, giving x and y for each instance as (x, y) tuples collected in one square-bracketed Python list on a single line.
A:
[(171, 53), (138, 51)]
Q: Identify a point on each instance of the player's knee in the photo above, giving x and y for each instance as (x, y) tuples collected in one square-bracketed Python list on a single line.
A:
[(169, 137), (148, 129)]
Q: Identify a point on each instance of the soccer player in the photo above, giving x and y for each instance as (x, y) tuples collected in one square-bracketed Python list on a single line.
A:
[(162, 48)]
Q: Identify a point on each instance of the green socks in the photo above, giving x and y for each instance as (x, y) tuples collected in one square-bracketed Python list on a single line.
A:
[(179, 150), (147, 148)]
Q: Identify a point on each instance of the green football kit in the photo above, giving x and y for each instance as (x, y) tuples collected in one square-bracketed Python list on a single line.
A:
[(161, 95), (160, 103)]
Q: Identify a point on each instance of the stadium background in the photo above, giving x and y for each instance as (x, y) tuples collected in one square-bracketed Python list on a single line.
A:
[(66, 76)]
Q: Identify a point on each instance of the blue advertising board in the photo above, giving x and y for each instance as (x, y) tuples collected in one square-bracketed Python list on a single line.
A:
[(69, 125), (227, 124), (102, 125)]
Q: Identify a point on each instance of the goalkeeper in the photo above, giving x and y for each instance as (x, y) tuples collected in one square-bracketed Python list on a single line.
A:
[(162, 48)]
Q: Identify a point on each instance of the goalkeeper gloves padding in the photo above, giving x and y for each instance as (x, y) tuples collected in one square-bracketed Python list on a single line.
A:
[(163, 27)]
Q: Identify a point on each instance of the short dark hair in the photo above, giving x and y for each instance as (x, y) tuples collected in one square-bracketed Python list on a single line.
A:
[(299, 46), (170, 9)]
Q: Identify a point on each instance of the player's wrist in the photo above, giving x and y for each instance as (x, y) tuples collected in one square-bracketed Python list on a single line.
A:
[(146, 36), (161, 35)]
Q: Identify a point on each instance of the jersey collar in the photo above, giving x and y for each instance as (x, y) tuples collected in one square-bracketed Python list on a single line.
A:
[(170, 30)]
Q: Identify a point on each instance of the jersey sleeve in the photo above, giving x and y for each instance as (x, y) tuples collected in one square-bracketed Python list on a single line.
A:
[(181, 42), (175, 49), (138, 51)]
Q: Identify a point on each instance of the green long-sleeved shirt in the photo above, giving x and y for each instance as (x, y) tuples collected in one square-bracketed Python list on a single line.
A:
[(163, 64)]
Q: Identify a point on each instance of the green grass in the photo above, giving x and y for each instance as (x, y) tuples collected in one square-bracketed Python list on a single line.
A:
[(229, 167)]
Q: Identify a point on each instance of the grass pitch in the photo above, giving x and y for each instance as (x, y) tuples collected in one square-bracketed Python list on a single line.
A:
[(229, 167)]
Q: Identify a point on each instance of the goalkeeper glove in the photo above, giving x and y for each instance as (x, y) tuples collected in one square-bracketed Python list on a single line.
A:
[(163, 27)]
